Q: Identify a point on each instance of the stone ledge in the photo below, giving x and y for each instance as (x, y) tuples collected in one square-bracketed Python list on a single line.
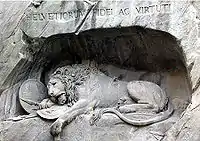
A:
[(107, 129)]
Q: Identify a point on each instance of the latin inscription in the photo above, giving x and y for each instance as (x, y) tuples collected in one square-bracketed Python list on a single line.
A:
[(153, 8), (75, 14), (56, 15)]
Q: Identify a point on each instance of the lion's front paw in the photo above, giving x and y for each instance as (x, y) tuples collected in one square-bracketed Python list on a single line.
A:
[(56, 127)]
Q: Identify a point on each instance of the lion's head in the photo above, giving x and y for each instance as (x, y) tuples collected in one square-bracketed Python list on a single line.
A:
[(62, 83)]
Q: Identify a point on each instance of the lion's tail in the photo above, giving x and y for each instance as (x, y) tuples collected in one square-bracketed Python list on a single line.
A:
[(160, 117)]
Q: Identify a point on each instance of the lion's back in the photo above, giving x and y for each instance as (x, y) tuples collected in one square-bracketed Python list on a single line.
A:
[(103, 88)]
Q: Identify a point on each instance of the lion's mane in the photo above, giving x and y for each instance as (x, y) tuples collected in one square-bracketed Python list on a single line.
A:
[(72, 76)]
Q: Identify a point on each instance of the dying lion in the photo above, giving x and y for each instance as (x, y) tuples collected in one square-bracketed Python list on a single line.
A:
[(84, 88)]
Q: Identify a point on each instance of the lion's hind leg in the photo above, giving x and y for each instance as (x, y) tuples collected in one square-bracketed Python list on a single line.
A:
[(144, 95)]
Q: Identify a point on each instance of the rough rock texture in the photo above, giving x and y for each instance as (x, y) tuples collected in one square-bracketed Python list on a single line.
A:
[(180, 19), (10, 105), (36, 129)]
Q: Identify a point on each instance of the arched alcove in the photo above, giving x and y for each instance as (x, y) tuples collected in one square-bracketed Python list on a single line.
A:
[(138, 47), (136, 53)]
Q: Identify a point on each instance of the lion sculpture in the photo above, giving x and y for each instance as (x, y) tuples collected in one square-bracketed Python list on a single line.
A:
[(84, 88)]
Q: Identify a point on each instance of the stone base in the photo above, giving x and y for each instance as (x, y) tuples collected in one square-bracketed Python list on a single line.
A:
[(109, 128)]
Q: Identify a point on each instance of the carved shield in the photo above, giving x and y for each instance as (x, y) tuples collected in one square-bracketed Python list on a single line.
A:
[(33, 91)]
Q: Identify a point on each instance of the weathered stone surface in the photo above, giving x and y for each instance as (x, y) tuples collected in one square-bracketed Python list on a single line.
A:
[(108, 128), (10, 106), (10, 38), (53, 19), (37, 130), (181, 21), (12, 64)]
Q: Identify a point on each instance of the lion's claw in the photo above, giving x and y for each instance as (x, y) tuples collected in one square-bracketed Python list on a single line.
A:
[(95, 117)]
